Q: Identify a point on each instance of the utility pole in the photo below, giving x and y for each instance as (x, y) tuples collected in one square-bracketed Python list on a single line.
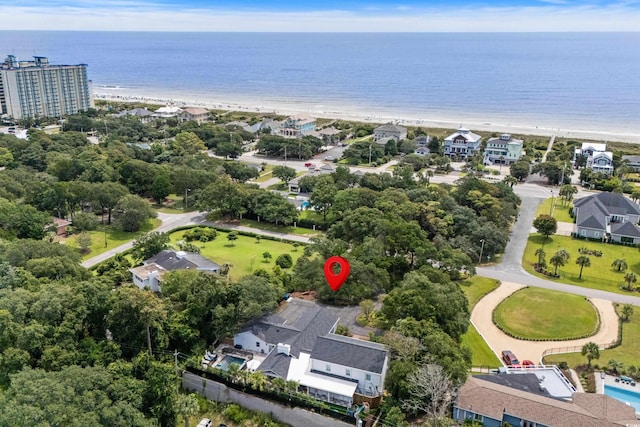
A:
[(186, 198), (481, 250), (175, 360), (369, 154)]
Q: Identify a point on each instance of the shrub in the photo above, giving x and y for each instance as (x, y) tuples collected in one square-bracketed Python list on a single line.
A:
[(84, 221), (203, 234), (284, 261), (236, 414)]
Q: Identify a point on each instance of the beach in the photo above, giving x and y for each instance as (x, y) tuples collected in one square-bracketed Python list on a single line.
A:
[(361, 114)]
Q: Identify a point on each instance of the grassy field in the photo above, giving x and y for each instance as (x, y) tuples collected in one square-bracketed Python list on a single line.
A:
[(245, 255), (279, 228), (600, 275), (560, 209), (627, 352), (114, 238), (533, 313), (475, 288)]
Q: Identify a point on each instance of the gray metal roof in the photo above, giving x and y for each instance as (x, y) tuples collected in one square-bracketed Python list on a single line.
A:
[(172, 260), (625, 229), (390, 128), (276, 364), (365, 355), (593, 211), (597, 222)]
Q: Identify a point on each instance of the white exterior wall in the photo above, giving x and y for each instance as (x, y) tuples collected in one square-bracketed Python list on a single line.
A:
[(248, 341), (375, 383), (150, 282)]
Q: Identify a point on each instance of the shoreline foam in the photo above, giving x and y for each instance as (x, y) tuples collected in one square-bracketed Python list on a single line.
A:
[(360, 114)]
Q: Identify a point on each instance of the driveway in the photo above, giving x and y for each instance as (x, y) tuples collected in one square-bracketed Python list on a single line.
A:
[(481, 317)]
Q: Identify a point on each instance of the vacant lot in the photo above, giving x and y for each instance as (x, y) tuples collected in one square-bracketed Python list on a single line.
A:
[(536, 313), (245, 255), (560, 209)]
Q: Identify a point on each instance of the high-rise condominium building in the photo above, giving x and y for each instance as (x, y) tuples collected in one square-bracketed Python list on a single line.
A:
[(32, 89)]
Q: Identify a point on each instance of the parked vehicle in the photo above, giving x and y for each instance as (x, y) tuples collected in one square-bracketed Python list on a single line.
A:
[(528, 363), (205, 422), (509, 358)]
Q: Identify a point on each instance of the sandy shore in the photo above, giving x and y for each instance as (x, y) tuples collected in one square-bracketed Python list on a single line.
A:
[(346, 113)]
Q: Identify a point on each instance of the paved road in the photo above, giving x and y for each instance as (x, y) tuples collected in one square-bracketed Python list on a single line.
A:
[(172, 221)]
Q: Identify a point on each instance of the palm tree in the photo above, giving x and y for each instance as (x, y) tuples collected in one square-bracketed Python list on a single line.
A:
[(627, 312), (615, 365), (187, 405), (510, 180), (279, 384), (583, 261), (630, 278), (592, 351), (619, 264), (233, 371), (257, 380), (559, 259), (540, 253)]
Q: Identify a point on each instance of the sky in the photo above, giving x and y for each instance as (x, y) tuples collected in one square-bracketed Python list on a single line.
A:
[(322, 15)]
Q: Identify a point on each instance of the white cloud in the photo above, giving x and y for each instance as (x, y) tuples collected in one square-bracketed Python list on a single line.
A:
[(121, 15)]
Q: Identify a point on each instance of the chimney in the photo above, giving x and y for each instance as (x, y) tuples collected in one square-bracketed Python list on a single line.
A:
[(284, 349)]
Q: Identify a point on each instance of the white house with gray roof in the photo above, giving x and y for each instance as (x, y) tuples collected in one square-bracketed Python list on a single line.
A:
[(301, 345), (608, 216), (384, 133), (463, 143), (597, 157), (149, 274)]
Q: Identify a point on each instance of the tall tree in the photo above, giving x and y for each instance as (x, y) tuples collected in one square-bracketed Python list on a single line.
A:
[(131, 212), (323, 195), (187, 406), (545, 225), (559, 259), (592, 351), (430, 392), (583, 261), (284, 173)]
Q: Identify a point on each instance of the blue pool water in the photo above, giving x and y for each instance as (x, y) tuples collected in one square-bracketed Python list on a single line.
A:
[(627, 396), (228, 360)]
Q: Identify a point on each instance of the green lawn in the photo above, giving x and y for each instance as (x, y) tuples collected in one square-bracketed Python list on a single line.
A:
[(245, 256), (536, 313), (113, 236), (627, 352), (265, 175), (174, 204), (279, 228), (475, 288), (599, 275), (560, 209)]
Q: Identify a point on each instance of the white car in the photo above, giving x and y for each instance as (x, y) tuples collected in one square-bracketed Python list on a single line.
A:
[(205, 422)]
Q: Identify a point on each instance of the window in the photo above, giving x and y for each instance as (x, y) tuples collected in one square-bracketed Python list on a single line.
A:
[(257, 343), (367, 377), (583, 232), (348, 372), (478, 417), (327, 368), (596, 234)]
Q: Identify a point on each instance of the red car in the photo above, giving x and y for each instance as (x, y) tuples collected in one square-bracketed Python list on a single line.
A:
[(528, 363), (308, 165)]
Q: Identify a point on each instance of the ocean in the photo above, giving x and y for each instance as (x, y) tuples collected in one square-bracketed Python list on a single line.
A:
[(581, 81)]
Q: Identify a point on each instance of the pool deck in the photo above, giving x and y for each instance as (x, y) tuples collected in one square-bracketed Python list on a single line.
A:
[(610, 380)]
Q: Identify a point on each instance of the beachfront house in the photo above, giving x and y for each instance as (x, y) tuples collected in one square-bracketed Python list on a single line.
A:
[(633, 162), (142, 114), (608, 216), (422, 140), (167, 112), (149, 274), (462, 144), (301, 345), (597, 157), (503, 150), (382, 134), (493, 404), (297, 126), (196, 114)]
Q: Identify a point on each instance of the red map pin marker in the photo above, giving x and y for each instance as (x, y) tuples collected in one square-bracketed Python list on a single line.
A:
[(336, 280)]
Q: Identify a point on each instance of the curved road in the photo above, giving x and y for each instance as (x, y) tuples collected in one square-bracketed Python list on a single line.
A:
[(510, 268), (173, 221)]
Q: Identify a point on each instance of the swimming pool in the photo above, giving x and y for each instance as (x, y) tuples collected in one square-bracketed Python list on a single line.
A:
[(629, 397), (227, 360)]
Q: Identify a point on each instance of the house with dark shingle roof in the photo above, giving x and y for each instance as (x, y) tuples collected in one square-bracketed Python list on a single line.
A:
[(149, 274), (608, 216), (301, 345), (492, 404)]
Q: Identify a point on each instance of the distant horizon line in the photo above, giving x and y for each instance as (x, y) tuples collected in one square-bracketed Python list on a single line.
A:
[(327, 32)]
